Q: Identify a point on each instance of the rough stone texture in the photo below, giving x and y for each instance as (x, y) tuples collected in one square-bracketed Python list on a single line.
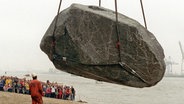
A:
[(86, 36)]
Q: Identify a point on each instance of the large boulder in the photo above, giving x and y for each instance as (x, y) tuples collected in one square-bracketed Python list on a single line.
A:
[(85, 43)]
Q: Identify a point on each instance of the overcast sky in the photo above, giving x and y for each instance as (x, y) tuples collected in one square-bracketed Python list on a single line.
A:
[(24, 22)]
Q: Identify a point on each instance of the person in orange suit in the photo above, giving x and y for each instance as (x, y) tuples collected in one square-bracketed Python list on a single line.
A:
[(36, 90)]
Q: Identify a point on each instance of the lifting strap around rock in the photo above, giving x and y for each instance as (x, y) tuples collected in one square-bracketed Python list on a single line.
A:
[(143, 14), (118, 45), (117, 33), (54, 55), (130, 70), (99, 3)]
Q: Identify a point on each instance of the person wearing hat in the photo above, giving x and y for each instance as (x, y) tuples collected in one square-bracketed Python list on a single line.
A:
[(36, 90)]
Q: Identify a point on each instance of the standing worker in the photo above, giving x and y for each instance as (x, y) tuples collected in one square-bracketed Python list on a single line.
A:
[(36, 90)]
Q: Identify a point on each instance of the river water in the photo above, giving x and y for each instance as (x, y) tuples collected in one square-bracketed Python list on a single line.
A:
[(168, 91)]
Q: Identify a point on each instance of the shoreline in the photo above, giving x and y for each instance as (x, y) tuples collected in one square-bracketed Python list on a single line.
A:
[(174, 75), (15, 98)]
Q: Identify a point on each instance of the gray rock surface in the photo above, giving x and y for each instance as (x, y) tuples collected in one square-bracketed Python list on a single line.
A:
[(87, 37)]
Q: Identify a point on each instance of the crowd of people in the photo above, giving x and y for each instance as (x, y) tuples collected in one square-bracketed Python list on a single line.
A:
[(52, 90)]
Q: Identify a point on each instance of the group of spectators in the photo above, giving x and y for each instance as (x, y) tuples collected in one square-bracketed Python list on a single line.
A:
[(52, 90)]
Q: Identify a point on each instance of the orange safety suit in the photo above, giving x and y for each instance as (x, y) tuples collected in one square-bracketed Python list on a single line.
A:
[(36, 92)]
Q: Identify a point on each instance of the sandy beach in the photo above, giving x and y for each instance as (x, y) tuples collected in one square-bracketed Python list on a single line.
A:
[(13, 98)]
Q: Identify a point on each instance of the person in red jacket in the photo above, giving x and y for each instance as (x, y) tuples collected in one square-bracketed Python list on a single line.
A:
[(60, 93), (36, 90)]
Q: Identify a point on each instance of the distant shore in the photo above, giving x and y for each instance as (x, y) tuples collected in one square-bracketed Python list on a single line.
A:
[(173, 75), (14, 98)]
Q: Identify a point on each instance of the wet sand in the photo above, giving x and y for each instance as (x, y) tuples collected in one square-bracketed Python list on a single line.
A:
[(14, 98)]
